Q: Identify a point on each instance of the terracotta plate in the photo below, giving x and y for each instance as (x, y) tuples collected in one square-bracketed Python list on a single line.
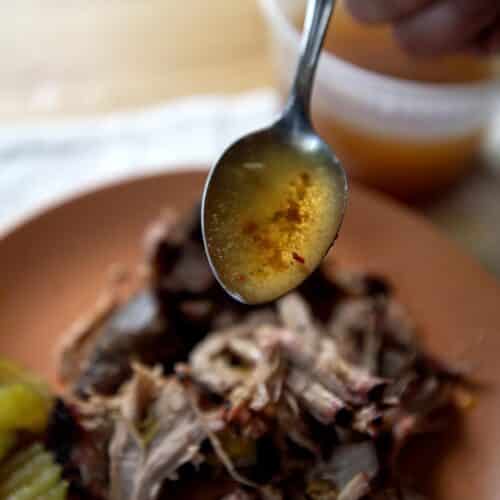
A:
[(53, 266)]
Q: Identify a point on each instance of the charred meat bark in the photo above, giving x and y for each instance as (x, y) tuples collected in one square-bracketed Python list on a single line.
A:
[(157, 325), (138, 330), (79, 434)]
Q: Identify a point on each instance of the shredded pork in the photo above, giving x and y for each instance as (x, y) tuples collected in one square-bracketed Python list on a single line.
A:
[(311, 398)]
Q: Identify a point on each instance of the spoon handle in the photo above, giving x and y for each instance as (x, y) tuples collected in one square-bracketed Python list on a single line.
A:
[(316, 23)]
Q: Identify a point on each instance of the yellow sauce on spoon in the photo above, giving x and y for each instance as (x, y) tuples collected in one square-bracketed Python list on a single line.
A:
[(269, 223)]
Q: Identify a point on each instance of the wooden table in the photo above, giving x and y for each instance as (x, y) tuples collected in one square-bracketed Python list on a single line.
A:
[(74, 57)]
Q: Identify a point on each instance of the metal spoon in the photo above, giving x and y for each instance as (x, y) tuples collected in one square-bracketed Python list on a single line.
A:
[(257, 261)]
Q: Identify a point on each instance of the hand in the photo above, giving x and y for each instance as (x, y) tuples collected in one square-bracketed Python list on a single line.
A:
[(431, 27)]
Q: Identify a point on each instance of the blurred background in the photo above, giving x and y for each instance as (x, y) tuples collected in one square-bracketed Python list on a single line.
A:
[(81, 57), (92, 91)]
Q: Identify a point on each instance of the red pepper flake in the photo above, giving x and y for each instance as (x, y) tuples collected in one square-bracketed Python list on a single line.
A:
[(238, 413), (293, 212), (241, 277), (298, 258), (250, 227), (306, 178)]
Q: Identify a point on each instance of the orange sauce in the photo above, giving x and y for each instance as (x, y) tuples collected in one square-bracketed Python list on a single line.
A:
[(404, 166), (407, 168), (375, 48)]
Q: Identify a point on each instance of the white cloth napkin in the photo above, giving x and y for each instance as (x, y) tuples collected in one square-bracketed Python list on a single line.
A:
[(45, 163)]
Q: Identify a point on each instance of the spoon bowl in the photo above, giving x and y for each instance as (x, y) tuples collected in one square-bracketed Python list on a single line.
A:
[(274, 202), (271, 211)]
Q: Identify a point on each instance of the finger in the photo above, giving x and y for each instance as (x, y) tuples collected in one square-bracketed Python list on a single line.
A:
[(384, 11), (485, 42), (446, 26), (493, 42), (476, 48)]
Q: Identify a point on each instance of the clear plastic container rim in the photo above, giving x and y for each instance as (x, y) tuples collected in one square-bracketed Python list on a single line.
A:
[(361, 83)]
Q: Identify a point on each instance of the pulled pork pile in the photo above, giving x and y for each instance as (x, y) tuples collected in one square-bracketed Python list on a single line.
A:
[(179, 392)]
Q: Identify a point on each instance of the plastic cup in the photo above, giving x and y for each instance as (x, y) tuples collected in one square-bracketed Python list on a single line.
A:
[(407, 138)]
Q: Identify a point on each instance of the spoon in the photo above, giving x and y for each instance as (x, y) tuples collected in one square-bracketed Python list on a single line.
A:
[(274, 202)]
